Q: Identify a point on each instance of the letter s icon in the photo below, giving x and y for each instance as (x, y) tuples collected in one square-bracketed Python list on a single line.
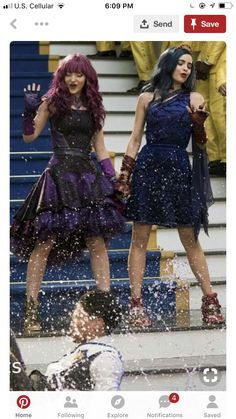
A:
[(16, 367)]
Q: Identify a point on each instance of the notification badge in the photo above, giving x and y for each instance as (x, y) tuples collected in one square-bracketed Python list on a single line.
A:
[(205, 23), (174, 397), (23, 402)]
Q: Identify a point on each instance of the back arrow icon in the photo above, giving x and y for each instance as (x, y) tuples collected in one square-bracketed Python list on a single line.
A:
[(13, 23)]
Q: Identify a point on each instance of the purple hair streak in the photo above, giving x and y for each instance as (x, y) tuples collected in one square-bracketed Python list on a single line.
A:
[(60, 99)]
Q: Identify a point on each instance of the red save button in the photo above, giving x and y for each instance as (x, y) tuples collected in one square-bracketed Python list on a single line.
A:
[(205, 23)]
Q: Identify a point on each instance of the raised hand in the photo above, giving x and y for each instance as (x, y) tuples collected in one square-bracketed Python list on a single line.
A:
[(32, 101), (32, 98), (198, 115), (222, 89)]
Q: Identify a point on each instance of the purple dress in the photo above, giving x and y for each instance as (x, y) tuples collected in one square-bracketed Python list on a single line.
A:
[(72, 200)]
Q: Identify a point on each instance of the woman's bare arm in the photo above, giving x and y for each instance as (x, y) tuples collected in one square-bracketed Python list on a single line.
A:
[(99, 146), (139, 122)]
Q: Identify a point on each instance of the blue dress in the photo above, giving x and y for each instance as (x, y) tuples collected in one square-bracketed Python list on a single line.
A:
[(164, 190)]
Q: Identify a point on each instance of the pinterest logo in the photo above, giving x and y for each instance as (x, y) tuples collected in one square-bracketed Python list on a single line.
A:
[(23, 402)]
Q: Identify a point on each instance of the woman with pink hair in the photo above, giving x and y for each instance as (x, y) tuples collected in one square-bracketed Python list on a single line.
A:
[(72, 206)]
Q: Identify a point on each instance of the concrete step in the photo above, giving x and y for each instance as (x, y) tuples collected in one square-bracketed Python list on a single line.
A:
[(162, 341), (27, 47), (176, 374), (216, 263), (175, 351), (66, 48), (166, 237), (80, 270), (27, 166), (189, 378), (42, 148), (119, 102), (107, 82), (162, 299), (28, 62), (112, 122), (42, 144), (106, 66), (103, 65), (114, 66), (161, 296), (217, 213), (112, 101), (218, 184), (216, 241), (18, 80), (34, 162), (195, 296), (115, 141)]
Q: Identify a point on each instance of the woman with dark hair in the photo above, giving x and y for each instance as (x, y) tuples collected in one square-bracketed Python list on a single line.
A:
[(72, 206), (164, 189)]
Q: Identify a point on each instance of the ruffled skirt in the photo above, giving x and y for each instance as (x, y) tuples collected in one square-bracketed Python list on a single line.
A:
[(71, 202)]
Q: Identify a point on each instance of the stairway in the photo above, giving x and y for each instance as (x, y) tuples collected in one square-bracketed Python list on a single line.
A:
[(166, 297)]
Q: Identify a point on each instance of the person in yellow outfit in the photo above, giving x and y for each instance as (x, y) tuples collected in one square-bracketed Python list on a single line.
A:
[(221, 74), (142, 52), (211, 60), (171, 44), (145, 61), (108, 49)]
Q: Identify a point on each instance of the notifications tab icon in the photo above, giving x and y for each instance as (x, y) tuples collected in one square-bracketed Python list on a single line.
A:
[(205, 23)]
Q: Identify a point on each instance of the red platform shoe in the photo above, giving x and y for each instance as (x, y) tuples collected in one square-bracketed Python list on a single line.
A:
[(211, 313)]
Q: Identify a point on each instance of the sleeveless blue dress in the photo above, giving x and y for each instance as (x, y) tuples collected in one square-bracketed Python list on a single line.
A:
[(166, 191), (72, 200)]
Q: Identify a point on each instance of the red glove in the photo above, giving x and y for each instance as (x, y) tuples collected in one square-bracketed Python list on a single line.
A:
[(198, 118), (127, 167)]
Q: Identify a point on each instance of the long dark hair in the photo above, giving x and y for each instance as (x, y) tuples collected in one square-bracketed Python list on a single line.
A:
[(162, 79), (59, 98)]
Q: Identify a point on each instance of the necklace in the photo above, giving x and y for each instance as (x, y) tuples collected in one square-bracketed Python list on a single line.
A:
[(172, 93), (175, 90), (77, 102)]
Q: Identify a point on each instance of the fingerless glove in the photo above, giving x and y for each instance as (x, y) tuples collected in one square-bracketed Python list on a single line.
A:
[(32, 101)]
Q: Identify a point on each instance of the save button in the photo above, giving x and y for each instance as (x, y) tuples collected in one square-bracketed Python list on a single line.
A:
[(205, 23)]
